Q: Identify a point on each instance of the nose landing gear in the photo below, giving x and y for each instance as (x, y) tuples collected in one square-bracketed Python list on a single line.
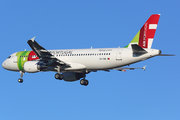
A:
[(20, 80)]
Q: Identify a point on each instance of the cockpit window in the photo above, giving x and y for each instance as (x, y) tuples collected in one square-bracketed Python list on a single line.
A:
[(9, 57)]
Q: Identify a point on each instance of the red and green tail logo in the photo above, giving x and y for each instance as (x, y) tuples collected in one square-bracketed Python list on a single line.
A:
[(144, 37)]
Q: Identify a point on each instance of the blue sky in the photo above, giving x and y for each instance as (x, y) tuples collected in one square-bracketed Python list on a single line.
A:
[(65, 24)]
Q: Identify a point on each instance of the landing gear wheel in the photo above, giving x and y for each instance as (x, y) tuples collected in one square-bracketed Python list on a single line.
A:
[(58, 76), (20, 80), (84, 82)]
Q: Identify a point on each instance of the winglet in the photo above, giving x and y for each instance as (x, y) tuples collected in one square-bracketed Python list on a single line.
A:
[(32, 39), (144, 67)]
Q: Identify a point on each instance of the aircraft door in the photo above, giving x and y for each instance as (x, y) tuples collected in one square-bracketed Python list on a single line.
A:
[(119, 55)]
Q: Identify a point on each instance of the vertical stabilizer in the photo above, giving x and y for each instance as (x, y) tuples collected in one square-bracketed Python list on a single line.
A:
[(145, 36)]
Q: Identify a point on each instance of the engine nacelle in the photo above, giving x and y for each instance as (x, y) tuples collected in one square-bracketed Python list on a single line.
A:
[(31, 66), (71, 76)]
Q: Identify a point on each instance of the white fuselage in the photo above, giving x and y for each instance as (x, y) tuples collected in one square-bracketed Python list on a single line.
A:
[(103, 58), (91, 59)]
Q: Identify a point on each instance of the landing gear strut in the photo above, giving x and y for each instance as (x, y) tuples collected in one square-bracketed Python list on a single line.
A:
[(84, 81), (20, 80), (58, 75)]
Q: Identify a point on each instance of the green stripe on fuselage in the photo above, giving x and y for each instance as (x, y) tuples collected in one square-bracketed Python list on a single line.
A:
[(22, 57)]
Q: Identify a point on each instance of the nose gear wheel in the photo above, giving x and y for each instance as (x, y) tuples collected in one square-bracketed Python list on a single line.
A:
[(20, 80)]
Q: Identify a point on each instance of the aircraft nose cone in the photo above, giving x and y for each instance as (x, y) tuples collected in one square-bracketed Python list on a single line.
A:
[(4, 64)]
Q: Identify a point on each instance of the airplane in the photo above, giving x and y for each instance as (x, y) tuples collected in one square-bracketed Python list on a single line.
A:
[(74, 64)]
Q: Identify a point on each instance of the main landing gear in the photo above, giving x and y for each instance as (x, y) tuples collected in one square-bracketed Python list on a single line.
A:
[(84, 82), (58, 76), (20, 80)]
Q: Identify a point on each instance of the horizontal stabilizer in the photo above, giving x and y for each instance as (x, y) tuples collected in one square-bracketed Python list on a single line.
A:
[(137, 49), (124, 69), (166, 55)]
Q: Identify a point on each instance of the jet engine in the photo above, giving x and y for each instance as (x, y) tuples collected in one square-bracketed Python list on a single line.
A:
[(33, 66), (72, 76)]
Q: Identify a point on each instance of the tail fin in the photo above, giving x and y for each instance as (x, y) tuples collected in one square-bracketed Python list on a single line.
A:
[(144, 37)]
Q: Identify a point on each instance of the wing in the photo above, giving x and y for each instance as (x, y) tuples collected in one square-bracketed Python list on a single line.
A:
[(44, 55)]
